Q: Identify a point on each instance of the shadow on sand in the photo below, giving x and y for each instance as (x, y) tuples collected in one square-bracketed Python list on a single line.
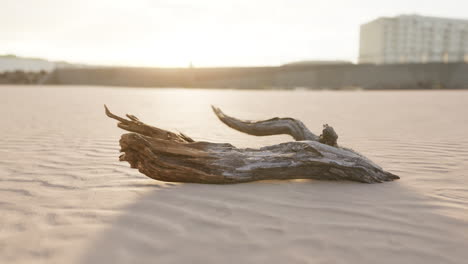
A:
[(301, 221)]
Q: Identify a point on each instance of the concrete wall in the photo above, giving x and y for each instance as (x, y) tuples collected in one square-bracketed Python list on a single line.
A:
[(367, 76)]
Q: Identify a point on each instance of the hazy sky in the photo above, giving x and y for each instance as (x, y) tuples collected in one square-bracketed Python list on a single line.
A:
[(204, 32)]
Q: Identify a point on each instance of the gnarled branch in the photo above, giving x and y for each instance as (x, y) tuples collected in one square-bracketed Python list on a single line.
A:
[(135, 125), (273, 126), (166, 156)]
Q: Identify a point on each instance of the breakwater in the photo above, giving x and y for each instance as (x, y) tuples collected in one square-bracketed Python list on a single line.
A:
[(346, 76)]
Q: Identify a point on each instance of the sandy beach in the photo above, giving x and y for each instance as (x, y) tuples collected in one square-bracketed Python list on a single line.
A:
[(65, 197)]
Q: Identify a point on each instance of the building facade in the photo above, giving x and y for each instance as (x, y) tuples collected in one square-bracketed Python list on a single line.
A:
[(413, 39)]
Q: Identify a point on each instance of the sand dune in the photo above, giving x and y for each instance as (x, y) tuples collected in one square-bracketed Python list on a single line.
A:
[(66, 199)]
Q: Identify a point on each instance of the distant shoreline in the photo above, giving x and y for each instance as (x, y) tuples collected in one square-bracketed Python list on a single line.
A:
[(431, 76), (86, 86)]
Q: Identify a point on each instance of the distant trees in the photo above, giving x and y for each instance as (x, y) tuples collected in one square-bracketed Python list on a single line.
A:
[(21, 77)]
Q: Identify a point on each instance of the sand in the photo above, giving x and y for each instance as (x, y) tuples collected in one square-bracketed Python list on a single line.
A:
[(65, 198)]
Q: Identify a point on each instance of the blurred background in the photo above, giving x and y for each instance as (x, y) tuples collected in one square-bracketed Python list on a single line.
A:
[(332, 44)]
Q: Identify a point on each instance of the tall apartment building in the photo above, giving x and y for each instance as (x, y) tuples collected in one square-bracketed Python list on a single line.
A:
[(413, 39)]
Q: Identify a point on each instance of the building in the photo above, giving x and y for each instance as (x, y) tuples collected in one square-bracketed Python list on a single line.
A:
[(14, 63), (413, 39)]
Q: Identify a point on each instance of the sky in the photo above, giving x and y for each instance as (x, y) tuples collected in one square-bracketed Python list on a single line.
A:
[(204, 33)]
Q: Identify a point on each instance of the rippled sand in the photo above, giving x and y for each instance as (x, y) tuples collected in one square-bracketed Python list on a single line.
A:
[(64, 197)]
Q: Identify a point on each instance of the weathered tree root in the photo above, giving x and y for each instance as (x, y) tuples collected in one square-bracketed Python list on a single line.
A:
[(167, 156)]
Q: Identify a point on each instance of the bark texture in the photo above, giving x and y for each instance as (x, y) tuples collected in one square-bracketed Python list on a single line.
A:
[(167, 156)]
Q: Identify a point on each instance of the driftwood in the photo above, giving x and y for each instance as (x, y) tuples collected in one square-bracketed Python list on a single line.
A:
[(168, 156)]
